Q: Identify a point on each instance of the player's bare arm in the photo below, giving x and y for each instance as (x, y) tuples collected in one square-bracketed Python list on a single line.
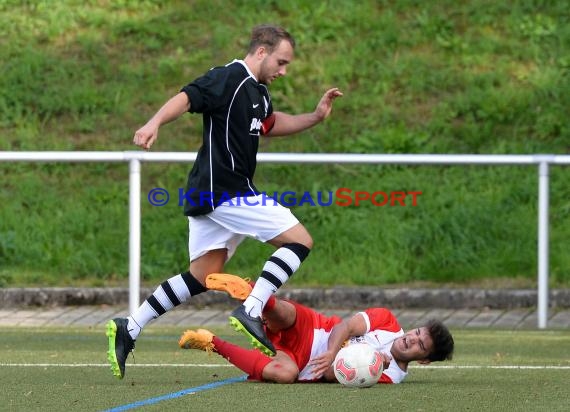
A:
[(286, 124), (355, 326), (172, 109)]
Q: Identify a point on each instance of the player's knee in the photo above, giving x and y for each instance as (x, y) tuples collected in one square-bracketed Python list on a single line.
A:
[(299, 234), (305, 238), (281, 372), (308, 242), (287, 375)]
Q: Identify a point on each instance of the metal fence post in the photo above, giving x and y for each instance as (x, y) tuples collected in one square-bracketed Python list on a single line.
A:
[(543, 192), (134, 233)]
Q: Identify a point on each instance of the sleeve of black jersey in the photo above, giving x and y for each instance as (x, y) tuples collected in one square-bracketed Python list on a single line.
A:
[(267, 124), (269, 121), (207, 92)]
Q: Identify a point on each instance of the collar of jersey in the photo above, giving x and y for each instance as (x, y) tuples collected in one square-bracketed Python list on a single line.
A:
[(245, 66)]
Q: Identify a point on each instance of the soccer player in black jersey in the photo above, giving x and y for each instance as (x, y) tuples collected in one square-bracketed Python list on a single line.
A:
[(222, 203)]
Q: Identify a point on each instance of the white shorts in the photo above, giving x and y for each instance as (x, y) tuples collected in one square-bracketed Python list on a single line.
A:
[(227, 226)]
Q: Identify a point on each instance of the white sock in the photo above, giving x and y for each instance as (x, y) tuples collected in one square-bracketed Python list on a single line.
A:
[(258, 297), (139, 319)]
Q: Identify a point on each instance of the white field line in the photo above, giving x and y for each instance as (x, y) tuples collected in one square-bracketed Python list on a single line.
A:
[(490, 367), (209, 365), (140, 365)]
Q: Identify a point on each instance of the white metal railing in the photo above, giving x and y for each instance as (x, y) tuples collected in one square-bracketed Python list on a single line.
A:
[(543, 161)]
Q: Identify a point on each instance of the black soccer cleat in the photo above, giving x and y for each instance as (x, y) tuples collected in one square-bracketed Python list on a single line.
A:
[(120, 345), (253, 329)]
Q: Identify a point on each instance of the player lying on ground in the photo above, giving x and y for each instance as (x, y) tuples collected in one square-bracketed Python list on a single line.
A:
[(307, 341)]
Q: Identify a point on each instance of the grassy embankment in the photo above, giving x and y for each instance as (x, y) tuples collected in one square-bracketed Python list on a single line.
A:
[(467, 77)]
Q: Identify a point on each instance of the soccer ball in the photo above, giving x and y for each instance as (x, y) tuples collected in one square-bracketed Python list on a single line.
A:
[(358, 365)]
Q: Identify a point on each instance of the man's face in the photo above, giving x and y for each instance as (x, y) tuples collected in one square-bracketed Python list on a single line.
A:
[(274, 65), (415, 345)]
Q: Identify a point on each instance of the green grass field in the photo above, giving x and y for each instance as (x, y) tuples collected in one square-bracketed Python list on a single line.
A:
[(64, 369)]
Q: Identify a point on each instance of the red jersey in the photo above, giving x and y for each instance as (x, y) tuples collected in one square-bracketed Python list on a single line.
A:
[(309, 336)]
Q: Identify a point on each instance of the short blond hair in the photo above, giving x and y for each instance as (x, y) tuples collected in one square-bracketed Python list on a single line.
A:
[(270, 36)]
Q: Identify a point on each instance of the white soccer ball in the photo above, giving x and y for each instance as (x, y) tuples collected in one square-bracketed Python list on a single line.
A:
[(358, 365)]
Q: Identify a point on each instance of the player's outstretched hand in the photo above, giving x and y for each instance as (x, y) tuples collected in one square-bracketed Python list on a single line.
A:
[(321, 363), (324, 107)]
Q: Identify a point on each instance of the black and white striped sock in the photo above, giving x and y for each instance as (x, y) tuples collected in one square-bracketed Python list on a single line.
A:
[(276, 271), (169, 294)]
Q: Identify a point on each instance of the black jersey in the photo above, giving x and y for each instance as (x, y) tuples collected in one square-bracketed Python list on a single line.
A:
[(233, 106)]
